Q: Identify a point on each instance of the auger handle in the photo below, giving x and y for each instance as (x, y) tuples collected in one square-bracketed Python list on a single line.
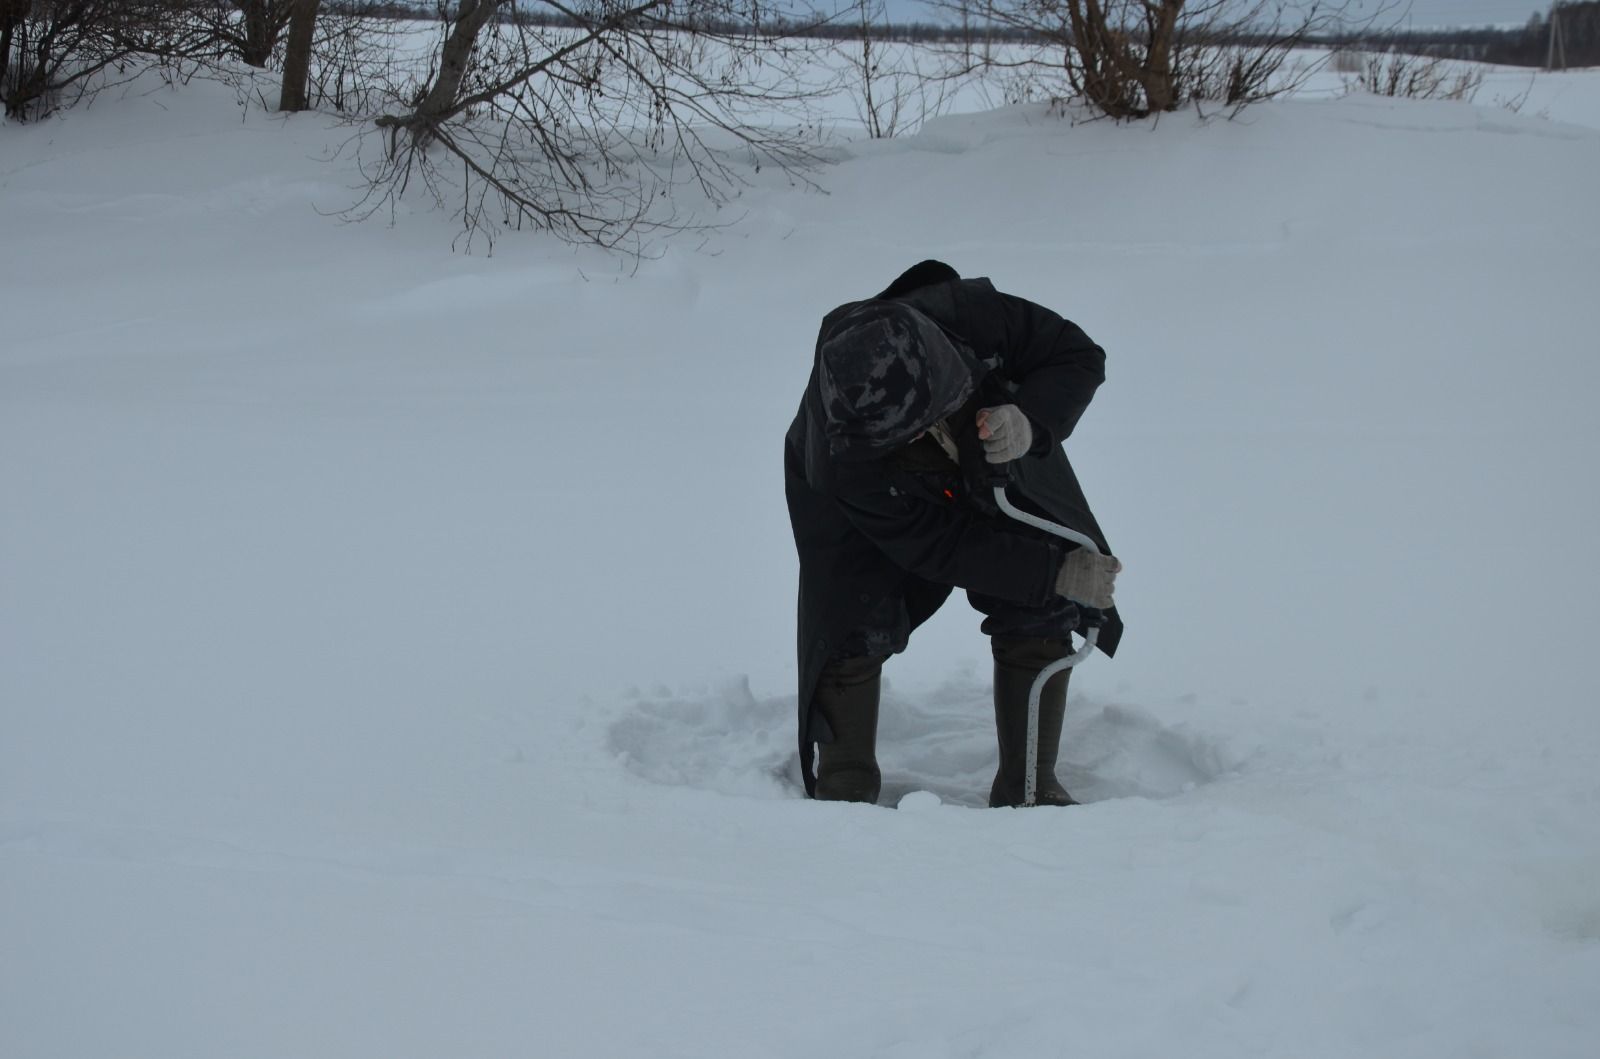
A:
[(1030, 780)]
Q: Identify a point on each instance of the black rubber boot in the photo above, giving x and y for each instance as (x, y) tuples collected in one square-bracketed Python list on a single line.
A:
[(847, 698), (1017, 662)]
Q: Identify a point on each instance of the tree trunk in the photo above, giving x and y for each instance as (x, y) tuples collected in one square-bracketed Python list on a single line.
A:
[(297, 55), (475, 14), (36, 60), (12, 15), (441, 101), (262, 23), (8, 26), (1160, 89)]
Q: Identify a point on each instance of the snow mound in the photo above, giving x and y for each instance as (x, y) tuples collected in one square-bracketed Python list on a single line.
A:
[(941, 743)]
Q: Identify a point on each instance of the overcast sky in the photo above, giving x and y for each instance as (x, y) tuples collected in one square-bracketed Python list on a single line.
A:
[(1422, 12), (1472, 12)]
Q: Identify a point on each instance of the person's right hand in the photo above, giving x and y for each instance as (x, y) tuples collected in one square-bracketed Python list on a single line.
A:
[(1005, 433), (1088, 578)]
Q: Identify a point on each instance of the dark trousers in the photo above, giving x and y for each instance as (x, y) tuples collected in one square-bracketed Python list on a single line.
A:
[(886, 629)]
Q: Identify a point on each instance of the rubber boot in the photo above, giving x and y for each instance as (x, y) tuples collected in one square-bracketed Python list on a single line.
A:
[(847, 698), (1017, 662)]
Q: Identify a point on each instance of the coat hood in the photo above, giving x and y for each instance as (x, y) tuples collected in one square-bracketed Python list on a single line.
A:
[(886, 374), (922, 274)]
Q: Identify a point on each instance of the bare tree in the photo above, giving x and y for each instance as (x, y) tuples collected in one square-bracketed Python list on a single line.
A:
[(297, 53), (582, 116), (1129, 59)]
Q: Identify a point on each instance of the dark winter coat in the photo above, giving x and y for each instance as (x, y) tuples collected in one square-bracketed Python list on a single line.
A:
[(867, 526)]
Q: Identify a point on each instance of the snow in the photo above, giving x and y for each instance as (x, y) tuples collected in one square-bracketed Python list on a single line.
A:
[(396, 644)]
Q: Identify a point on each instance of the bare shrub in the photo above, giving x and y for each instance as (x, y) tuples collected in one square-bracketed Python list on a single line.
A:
[(894, 88), (54, 52), (1406, 76), (1130, 59), (356, 58), (250, 30)]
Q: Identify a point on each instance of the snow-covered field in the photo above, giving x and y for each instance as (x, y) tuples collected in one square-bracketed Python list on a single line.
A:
[(396, 645)]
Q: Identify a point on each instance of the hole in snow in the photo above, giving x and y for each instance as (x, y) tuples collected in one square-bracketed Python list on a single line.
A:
[(943, 741)]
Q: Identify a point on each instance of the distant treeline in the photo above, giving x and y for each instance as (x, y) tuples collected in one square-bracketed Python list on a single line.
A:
[(838, 27), (1570, 38), (1573, 40)]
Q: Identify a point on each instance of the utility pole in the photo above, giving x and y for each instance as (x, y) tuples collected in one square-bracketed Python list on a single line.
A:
[(1558, 43)]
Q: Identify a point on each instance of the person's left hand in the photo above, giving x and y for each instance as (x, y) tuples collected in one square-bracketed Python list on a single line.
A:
[(1005, 433), (1089, 578)]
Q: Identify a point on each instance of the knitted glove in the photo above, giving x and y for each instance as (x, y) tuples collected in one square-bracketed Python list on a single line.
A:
[(1005, 432), (1088, 578)]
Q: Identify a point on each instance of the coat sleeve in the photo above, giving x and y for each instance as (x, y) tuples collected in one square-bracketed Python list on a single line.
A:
[(953, 546), (1055, 366)]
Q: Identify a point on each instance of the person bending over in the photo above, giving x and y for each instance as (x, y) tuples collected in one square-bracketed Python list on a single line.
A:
[(919, 399)]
